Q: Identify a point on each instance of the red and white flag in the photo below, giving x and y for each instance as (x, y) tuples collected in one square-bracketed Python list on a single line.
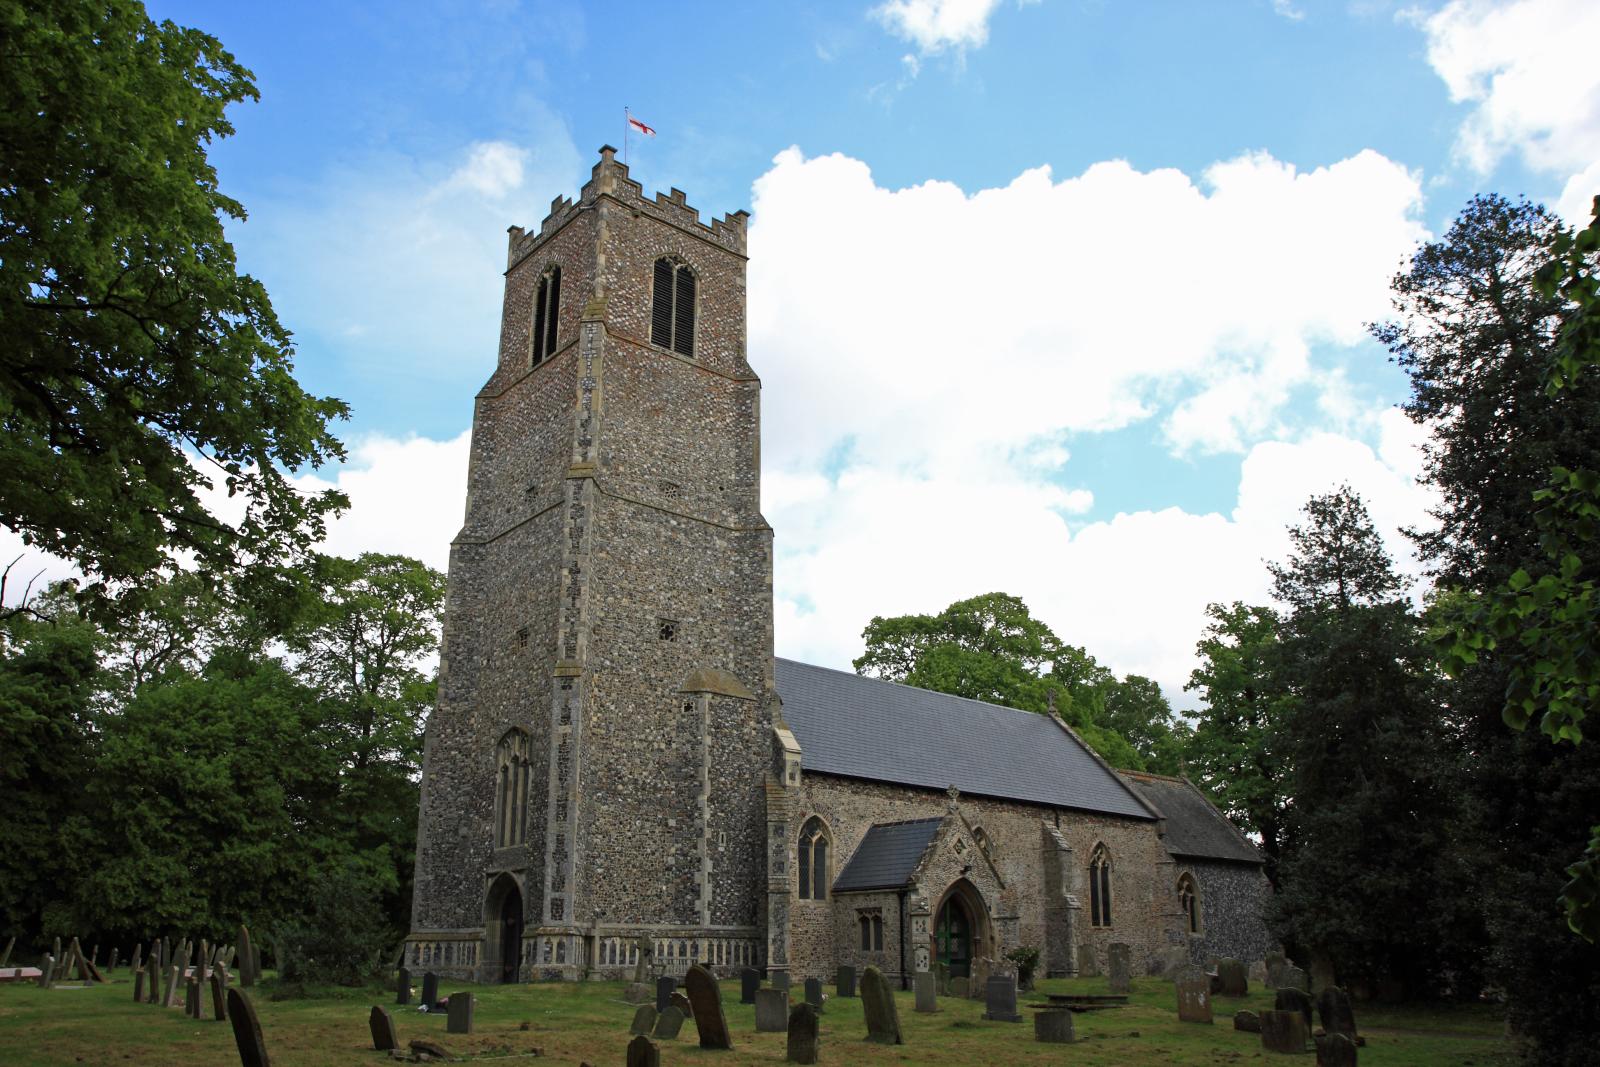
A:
[(634, 123)]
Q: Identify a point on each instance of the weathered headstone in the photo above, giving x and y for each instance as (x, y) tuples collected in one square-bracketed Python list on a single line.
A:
[(1053, 1026), (138, 959), (383, 1035), (645, 947), (844, 983), (430, 990), (668, 1023), (47, 971), (1119, 966), (203, 961), (772, 1010), (169, 998), (883, 1018), (1292, 977), (1335, 1012), (247, 974), (5, 957), (219, 996), (927, 990), (111, 964), (1000, 1000), (138, 987), (1194, 1001), (805, 1034), (1292, 999), (636, 993), (153, 987), (706, 999), (1283, 1031), (1248, 1021), (423, 1047), (1235, 981), (960, 986), (402, 986), (781, 981), (664, 989), (191, 997), (642, 1052), (1257, 974), (459, 1012), (681, 1002), (1336, 1050), (982, 968), (749, 982), (814, 993), (1276, 962), (246, 1031), (644, 1020)]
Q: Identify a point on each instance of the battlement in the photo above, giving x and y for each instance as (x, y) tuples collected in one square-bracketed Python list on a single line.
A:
[(609, 178)]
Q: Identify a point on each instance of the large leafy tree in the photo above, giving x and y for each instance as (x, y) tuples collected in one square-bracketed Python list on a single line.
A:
[(138, 367)]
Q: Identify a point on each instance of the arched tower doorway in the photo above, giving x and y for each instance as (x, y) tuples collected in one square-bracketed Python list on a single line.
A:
[(961, 928), (503, 929)]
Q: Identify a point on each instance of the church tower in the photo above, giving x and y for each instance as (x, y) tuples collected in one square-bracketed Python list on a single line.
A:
[(595, 769)]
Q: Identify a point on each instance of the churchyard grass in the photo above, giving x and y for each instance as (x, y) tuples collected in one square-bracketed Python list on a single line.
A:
[(574, 1022)]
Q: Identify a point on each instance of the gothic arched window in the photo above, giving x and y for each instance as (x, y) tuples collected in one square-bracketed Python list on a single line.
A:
[(546, 311), (514, 767), (1100, 886), (1189, 901), (813, 860), (673, 306)]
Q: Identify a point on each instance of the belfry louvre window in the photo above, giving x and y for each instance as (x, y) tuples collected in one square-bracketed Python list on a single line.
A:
[(546, 313), (1100, 887), (515, 768), (672, 309), (813, 860)]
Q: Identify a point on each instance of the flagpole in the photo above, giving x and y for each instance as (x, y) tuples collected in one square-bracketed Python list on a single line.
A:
[(627, 128)]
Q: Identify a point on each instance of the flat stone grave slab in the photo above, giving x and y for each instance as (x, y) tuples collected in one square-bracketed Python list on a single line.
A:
[(772, 1011), (1053, 1026)]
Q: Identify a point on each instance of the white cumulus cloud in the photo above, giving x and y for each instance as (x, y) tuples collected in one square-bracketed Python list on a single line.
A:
[(936, 26)]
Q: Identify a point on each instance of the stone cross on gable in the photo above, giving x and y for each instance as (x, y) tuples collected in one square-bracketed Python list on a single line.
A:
[(955, 798)]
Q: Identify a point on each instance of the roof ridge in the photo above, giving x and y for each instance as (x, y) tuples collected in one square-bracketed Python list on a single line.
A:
[(1131, 773), (903, 685)]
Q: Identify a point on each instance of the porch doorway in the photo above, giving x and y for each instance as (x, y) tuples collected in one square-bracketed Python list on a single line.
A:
[(504, 914)]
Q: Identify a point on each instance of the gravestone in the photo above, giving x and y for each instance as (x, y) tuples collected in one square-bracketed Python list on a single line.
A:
[(402, 986), (960, 986), (1053, 1026), (814, 993), (877, 1001), (1119, 966), (805, 1034), (1283, 1031), (111, 964), (1248, 1021), (422, 1048), (246, 1031), (844, 983), (1292, 977), (1291, 999), (47, 971), (636, 993), (169, 999), (781, 981), (644, 1020), (982, 968), (668, 1023), (430, 990), (925, 983), (665, 985), (1276, 962), (1336, 1050), (219, 997), (749, 982), (1235, 982), (459, 1012), (1000, 1000), (681, 1002), (153, 987), (706, 999), (5, 957), (772, 1010), (247, 974), (191, 997), (1258, 974), (383, 1035), (138, 959), (138, 987), (1194, 1001), (642, 1052), (204, 959), (1335, 1012)]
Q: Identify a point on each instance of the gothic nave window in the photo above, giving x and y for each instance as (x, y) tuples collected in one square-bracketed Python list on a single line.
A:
[(1100, 886), (813, 860), (1189, 901)]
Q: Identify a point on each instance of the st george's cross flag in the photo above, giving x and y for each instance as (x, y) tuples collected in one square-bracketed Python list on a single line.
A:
[(648, 131)]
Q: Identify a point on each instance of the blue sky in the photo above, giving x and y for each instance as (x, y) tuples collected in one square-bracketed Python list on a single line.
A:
[(1171, 221)]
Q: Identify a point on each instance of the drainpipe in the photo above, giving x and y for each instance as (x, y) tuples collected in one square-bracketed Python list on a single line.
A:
[(904, 985)]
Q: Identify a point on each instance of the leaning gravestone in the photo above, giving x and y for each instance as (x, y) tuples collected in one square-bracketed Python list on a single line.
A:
[(246, 1031), (926, 985), (47, 971), (805, 1034), (1119, 966), (138, 987), (772, 1011), (681, 1002), (219, 997), (1000, 1000), (383, 1035), (749, 982), (1283, 1031), (1336, 1050), (402, 986), (1294, 978), (247, 972), (1291, 999), (668, 1023), (191, 997), (1053, 1026), (814, 993), (1235, 980), (111, 965), (1333, 1009), (430, 991), (642, 1052), (883, 1018), (459, 1013), (1247, 1021), (644, 1020), (844, 983), (5, 957), (664, 988), (706, 999), (169, 999), (153, 986), (1194, 1001)]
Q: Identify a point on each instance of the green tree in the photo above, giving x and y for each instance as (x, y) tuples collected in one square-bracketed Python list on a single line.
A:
[(136, 363), (1138, 711), (1234, 752)]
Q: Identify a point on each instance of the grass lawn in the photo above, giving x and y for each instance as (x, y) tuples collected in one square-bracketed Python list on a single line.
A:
[(573, 1023)]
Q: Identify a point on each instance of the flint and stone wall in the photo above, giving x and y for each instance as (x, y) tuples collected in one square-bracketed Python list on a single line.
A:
[(1233, 898)]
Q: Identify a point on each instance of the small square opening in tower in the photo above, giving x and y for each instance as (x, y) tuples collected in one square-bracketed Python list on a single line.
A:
[(667, 629)]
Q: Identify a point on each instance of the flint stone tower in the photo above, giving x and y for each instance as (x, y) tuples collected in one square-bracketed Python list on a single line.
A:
[(594, 772)]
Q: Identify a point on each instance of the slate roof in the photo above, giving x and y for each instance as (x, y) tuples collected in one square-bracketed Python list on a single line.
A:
[(868, 728), (887, 855), (1195, 828)]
